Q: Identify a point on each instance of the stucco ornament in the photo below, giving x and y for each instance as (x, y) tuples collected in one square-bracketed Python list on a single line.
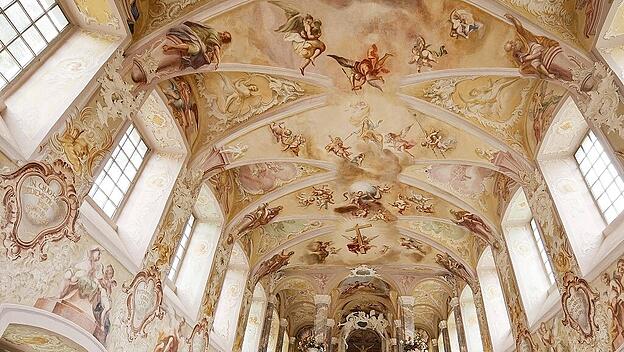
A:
[(198, 340), (144, 301), (41, 206), (578, 301), (119, 100), (362, 321), (524, 343), (601, 103), (184, 195)]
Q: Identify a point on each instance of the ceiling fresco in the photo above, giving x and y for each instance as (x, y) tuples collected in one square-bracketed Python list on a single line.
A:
[(383, 139)]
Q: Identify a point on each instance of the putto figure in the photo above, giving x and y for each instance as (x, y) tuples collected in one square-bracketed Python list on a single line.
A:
[(304, 31), (423, 55), (369, 70), (463, 23)]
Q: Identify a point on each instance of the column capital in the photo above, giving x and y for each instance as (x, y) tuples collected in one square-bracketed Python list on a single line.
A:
[(442, 324), (292, 340), (454, 302), (331, 322), (434, 342), (322, 299), (397, 323), (283, 322), (407, 300)]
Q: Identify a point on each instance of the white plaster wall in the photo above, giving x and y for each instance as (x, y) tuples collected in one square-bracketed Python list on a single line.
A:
[(230, 299), (146, 203), (471, 321), (529, 269), (452, 330), (254, 325), (195, 269), (581, 218), (494, 301), (272, 345), (34, 108)]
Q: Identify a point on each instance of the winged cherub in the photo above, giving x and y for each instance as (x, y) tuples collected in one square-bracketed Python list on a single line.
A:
[(368, 70), (304, 32)]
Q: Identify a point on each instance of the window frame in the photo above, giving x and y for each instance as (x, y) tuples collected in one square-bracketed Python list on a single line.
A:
[(172, 280), (112, 220), (541, 249), (606, 152), (38, 59)]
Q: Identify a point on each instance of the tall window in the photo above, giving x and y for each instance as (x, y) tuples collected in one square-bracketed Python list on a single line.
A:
[(601, 176), (112, 184), (542, 251), (182, 247), (27, 27)]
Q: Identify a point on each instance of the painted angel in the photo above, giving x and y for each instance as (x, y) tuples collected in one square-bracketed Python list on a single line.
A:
[(423, 55), (369, 70), (304, 32), (462, 23), (399, 141)]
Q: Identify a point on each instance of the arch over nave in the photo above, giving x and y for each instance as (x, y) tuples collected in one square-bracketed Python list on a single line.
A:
[(332, 175)]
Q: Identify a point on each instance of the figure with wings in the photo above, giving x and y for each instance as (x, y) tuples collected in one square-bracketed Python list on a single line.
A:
[(423, 55), (399, 142), (366, 71), (304, 32)]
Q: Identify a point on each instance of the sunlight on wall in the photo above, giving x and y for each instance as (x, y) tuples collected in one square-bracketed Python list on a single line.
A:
[(255, 320), (494, 301)]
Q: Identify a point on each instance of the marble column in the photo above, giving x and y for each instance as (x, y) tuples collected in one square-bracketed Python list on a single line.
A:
[(445, 336), (459, 322), (266, 326), (399, 335), (434, 345), (280, 335), (484, 328), (407, 309), (321, 303), (328, 334)]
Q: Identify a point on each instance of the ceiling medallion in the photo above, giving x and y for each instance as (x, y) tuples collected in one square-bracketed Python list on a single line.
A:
[(363, 271)]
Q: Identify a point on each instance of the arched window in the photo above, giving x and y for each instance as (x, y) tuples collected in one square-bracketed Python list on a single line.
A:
[(133, 185), (531, 266), (583, 179), (192, 263), (27, 27), (471, 321), (255, 320), (120, 172), (494, 301), (230, 299)]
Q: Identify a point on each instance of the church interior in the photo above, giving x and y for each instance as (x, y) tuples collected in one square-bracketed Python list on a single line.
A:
[(311, 175)]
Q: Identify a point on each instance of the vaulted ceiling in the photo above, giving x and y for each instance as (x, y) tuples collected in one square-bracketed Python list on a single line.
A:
[(387, 170)]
